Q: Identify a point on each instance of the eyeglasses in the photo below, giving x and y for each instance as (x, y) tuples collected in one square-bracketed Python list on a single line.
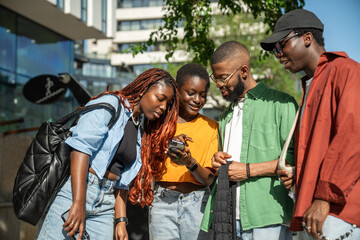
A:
[(225, 80), (278, 49)]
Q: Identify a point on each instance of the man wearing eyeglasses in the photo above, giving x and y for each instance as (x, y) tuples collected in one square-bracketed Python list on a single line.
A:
[(327, 146), (252, 132)]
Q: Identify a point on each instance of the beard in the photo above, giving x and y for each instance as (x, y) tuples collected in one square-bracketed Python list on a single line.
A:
[(238, 90)]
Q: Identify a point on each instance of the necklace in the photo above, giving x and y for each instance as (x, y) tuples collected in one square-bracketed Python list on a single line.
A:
[(135, 121)]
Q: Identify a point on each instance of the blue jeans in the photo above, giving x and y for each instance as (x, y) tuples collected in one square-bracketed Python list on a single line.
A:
[(272, 232), (174, 215), (99, 222), (334, 227)]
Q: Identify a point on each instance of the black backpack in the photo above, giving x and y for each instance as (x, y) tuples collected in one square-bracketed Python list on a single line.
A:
[(46, 165)]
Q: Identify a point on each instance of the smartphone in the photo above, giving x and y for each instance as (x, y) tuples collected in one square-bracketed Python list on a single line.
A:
[(85, 235), (175, 144)]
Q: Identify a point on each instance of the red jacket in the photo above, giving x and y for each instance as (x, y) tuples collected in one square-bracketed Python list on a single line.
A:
[(327, 149)]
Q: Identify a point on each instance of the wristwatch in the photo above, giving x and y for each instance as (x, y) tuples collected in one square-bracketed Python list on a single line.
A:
[(193, 167), (121, 219)]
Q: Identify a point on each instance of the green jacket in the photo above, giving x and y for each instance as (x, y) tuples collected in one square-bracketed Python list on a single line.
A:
[(267, 118)]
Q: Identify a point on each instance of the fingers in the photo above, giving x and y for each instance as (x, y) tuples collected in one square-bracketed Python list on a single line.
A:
[(72, 228), (288, 183), (69, 225), (286, 178), (81, 231), (219, 159), (183, 138), (314, 217)]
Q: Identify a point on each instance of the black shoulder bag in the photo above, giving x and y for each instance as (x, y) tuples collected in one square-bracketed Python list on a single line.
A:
[(46, 165)]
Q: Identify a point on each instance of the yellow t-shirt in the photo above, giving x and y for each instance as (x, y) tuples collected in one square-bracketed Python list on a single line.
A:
[(203, 131)]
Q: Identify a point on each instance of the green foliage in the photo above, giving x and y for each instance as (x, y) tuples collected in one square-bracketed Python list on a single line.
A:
[(196, 16)]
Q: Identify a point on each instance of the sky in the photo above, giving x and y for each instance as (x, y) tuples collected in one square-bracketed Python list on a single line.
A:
[(341, 19)]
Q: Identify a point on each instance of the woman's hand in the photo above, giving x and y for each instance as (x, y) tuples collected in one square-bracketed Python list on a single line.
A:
[(181, 157), (76, 220), (120, 211), (79, 165), (121, 232)]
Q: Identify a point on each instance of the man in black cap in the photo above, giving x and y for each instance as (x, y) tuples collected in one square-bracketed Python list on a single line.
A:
[(327, 146)]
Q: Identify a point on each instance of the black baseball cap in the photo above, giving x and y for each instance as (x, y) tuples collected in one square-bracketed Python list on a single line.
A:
[(299, 18)]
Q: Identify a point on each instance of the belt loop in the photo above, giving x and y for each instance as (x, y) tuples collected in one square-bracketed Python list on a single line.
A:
[(112, 184), (90, 178)]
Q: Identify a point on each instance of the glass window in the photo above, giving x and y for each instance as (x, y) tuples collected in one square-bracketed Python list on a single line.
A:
[(7, 40), (126, 4), (104, 16), (137, 3), (60, 3), (28, 50), (84, 10), (155, 3), (125, 26), (40, 51), (135, 25), (139, 25)]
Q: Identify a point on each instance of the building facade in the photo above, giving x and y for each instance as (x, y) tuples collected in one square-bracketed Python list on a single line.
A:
[(135, 20), (39, 37)]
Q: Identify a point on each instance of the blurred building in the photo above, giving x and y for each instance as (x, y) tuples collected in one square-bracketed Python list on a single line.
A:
[(135, 20), (42, 37)]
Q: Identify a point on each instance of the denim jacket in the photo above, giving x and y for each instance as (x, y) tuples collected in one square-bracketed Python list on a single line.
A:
[(92, 136)]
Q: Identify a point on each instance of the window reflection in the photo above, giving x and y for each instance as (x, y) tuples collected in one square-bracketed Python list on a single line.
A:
[(139, 3), (27, 50), (139, 25), (7, 40)]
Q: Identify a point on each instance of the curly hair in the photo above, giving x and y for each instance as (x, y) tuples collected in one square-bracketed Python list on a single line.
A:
[(156, 134)]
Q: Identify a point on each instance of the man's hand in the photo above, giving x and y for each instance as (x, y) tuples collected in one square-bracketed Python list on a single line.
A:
[(219, 159), (314, 217), (237, 172), (286, 178)]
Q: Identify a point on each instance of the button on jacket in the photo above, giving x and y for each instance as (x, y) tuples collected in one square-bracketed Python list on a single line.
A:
[(92, 136), (267, 118), (328, 145)]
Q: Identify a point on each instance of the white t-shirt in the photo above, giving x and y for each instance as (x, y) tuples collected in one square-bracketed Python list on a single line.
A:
[(307, 88), (233, 140)]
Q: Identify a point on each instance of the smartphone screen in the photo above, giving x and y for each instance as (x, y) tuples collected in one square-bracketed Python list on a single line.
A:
[(85, 235)]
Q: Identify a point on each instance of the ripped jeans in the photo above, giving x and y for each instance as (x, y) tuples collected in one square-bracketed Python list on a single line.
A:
[(99, 221), (175, 215)]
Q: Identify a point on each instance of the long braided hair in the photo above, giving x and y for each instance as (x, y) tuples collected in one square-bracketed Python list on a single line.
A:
[(156, 134)]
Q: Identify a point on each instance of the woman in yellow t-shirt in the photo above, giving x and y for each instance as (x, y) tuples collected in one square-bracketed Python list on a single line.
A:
[(181, 191)]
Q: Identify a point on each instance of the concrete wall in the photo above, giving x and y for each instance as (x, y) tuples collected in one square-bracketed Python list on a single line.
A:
[(12, 152)]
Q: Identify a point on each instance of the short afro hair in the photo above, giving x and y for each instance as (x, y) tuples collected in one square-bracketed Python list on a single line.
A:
[(317, 33), (192, 70), (227, 50)]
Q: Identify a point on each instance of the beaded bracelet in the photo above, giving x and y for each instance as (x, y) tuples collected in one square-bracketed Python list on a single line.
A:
[(341, 237)]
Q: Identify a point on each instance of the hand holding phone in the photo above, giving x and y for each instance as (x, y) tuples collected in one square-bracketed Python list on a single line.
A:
[(85, 235), (175, 145)]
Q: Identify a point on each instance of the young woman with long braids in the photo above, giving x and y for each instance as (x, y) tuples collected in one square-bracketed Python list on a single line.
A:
[(103, 160), (181, 190)]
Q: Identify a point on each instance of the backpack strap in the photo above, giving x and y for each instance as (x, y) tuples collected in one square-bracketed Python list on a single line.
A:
[(107, 106)]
